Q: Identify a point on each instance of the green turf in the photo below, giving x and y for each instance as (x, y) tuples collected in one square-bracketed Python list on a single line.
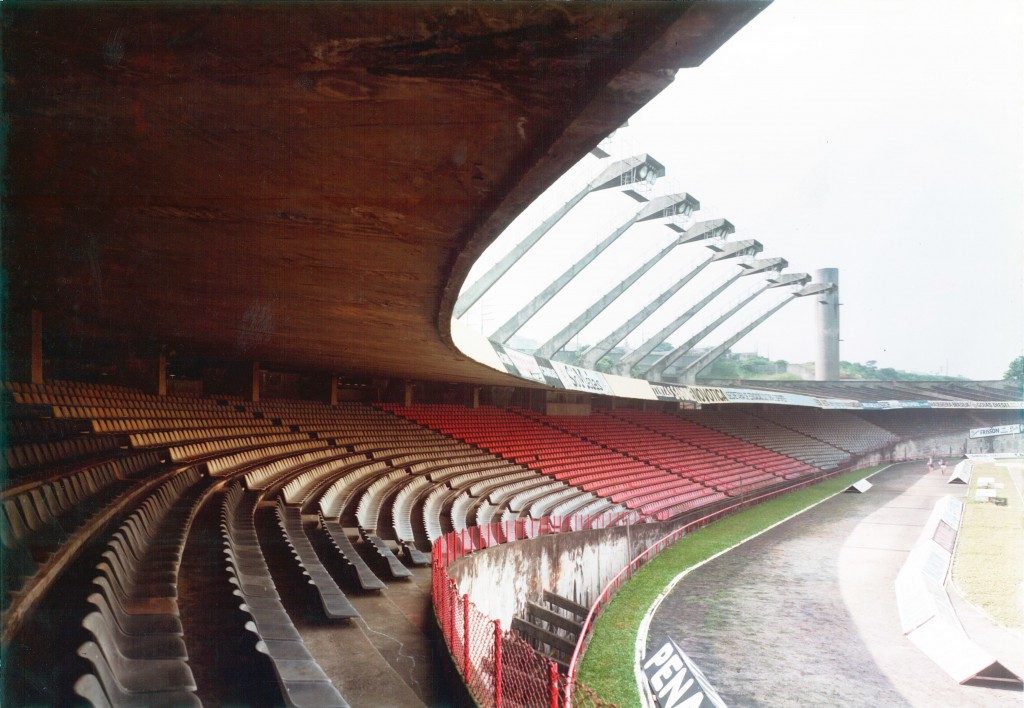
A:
[(608, 664)]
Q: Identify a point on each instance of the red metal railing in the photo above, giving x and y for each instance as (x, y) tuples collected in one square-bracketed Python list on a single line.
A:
[(500, 668)]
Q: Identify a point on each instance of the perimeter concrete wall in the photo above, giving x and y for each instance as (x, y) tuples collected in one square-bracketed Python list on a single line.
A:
[(502, 579), (948, 445)]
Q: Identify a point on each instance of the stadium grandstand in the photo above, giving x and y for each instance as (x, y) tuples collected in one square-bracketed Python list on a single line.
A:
[(255, 453)]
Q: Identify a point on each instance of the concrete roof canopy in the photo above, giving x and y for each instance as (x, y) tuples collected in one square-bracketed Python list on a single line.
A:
[(305, 184)]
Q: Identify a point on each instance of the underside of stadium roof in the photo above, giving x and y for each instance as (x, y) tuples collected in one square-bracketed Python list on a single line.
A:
[(304, 184)]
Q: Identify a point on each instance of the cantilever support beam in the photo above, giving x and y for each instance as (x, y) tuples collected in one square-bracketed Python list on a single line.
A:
[(628, 171), (706, 359), (658, 367), (705, 230), (634, 357), (661, 207), (747, 247)]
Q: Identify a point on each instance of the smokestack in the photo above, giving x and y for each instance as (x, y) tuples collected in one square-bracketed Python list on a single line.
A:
[(826, 315)]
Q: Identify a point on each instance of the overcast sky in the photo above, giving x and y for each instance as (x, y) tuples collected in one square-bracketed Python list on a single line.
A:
[(881, 138)]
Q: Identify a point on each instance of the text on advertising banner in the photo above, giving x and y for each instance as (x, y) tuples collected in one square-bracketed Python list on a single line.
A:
[(675, 681)]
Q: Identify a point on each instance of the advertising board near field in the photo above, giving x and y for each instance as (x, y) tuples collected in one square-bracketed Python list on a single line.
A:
[(997, 430), (675, 681)]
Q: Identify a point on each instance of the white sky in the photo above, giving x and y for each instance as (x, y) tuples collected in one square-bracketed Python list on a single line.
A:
[(882, 138)]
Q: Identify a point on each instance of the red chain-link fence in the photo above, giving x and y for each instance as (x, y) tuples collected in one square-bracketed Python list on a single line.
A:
[(499, 667)]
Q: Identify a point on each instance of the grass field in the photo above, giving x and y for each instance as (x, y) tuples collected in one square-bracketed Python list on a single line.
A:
[(608, 664), (988, 568)]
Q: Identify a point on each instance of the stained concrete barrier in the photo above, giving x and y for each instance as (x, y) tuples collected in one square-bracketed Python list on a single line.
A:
[(502, 579)]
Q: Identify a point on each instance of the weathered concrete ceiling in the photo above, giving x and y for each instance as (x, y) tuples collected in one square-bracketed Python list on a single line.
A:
[(305, 184)]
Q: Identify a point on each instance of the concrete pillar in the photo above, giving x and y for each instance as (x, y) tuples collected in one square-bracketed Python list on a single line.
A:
[(826, 315), (36, 353), (161, 374), (407, 401), (333, 395), (254, 385), (476, 397)]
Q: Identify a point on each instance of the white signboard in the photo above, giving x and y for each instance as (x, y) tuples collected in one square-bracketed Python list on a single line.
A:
[(527, 365), (1008, 405), (675, 681), (997, 430), (577, 379), (860, 486)]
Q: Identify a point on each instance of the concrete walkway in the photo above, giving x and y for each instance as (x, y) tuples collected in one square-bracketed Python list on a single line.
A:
[(806, 614)]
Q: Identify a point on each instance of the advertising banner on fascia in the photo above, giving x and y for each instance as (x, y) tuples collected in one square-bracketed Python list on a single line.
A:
[(548, 370), (690, 394), (519, 364), (577, 379), (1005, 405), (747, 395), (838, 403), (997, 430)]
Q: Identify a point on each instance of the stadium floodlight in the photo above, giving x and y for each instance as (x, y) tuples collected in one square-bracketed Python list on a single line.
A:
[(619, 174), (691, 370), (745, 248), (662, 207), (659, 367), (712, 231)]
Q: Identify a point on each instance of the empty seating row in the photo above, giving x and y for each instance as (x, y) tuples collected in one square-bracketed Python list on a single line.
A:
[(42, 429), (188, 435), (298, 490), (33, 455), (136, 650), (37, 517), (185, 453), (752, 457), (332, 599), (261, 476), (746, 426), (200, 420), (302, 680), (366, 578), (839, 428), (531, 442), (224, 464)]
